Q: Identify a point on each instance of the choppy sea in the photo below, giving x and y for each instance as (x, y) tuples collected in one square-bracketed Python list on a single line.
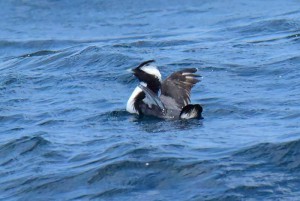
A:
[(64, 84)]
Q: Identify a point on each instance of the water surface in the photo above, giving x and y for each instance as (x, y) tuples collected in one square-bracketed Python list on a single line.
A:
[(64, 131)]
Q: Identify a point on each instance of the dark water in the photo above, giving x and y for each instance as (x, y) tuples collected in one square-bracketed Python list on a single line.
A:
[(64, 131)]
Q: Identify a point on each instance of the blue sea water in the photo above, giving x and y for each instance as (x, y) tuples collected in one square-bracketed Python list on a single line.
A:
[(64, 84)]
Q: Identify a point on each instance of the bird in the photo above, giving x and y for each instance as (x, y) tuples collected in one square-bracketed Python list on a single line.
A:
[(166, 99)]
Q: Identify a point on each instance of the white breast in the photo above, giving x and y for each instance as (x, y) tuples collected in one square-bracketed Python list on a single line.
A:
[(130, 103)]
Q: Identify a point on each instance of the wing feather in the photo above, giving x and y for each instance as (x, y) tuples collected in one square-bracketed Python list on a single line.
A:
[(179, 84)]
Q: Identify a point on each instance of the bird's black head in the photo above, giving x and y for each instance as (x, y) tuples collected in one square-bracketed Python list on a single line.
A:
[(148, 73)]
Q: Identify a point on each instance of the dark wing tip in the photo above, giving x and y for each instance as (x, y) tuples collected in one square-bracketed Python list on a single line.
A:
[(189, 70), (145, 63)]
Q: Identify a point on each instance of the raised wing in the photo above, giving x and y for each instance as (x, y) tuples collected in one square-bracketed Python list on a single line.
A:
[(152, 98), (179, 84)]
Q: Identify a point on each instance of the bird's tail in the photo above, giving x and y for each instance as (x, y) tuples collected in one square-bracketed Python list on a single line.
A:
[(191, 112)]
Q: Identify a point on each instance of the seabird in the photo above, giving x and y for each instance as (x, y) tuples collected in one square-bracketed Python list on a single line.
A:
[(168, 99)]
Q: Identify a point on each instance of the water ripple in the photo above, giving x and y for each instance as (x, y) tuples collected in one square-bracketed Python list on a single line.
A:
[(65, 80)]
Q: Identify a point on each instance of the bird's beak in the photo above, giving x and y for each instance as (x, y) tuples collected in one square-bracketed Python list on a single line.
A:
[(130, 70), (133, 71)]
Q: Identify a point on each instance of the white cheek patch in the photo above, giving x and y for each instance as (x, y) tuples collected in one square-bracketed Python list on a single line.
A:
[(130, 103), (152, 70), (184, 116), (189, 115)]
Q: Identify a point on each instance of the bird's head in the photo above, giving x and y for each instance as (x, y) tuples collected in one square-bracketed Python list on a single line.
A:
[(147, 72)]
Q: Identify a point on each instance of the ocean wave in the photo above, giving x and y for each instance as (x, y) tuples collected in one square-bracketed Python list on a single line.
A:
[(138, 169), (285, 155), (154, 43), (18, 147), (267, 26), (64, 83)]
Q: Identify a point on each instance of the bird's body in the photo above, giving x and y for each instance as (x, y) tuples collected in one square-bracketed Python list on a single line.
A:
[(173, 101)]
